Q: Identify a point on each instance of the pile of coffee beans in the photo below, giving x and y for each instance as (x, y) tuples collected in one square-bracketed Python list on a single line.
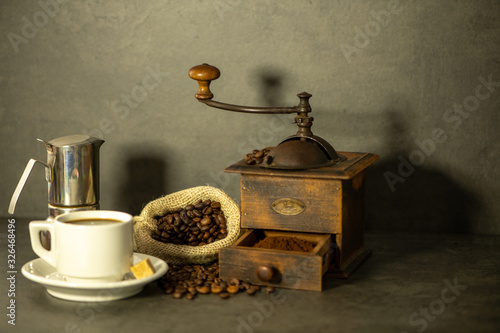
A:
[(256, 156), (194, 225), (191, 280)]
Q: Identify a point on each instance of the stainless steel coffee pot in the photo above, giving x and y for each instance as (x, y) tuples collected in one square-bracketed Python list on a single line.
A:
[(72, 174)]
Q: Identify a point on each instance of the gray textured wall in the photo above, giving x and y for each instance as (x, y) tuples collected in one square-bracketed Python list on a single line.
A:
[(385, 77)]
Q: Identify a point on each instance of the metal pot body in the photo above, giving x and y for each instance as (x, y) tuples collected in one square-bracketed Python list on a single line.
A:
[(74, 161)]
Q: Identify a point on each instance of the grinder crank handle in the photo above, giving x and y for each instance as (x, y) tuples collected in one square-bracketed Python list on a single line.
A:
[(205, 73)]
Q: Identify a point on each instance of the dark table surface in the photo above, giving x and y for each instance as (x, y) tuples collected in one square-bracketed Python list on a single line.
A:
[(411, 283)]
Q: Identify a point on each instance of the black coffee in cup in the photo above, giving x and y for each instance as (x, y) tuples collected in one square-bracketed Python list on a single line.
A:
[(93, 221)]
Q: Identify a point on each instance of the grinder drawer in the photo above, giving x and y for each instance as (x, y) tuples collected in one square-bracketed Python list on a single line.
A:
[(277, 267)]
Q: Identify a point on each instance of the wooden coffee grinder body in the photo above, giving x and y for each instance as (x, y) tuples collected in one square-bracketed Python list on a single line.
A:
[(323, 201)]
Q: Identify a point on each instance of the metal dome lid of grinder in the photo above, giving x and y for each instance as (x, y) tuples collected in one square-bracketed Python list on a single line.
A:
[(304, 150)]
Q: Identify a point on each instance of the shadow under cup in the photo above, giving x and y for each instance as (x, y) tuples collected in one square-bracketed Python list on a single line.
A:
[(87, 246)]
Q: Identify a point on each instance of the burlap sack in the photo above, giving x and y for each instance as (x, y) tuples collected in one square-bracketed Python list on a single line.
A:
[(145, 224)]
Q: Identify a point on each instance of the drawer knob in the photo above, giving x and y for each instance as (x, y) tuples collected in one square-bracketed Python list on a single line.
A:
[(265, 273)]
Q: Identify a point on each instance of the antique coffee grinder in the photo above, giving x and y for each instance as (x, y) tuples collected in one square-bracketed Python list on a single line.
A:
[(301, 188)]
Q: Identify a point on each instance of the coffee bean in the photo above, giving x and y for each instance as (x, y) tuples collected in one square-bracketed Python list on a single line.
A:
[(224, 295), (206, 221), (233, 289), (189, 207), (199, 206), (190, 296), (216, 289), (215, 205), (177, 295), (207, 210), (180, 289), (222, 219), (252, 290), (184, 217), (269, 289), (203, 289)]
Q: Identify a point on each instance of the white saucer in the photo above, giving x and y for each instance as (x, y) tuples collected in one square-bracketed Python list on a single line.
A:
[(40, 271)]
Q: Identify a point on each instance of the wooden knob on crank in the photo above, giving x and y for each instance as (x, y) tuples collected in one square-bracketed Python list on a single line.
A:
[(204, 73)]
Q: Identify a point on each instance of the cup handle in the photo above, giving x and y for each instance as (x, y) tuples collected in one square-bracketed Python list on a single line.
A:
[(35, 228)]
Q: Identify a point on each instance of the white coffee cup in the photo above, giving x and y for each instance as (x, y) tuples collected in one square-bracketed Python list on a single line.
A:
[(87, 246)]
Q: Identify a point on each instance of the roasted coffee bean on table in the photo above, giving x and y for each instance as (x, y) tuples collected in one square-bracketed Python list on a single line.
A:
[(192, 280), (198, 224)]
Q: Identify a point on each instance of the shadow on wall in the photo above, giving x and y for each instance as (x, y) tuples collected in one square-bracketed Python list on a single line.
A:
[(419, 198), (404, 197), (144, 181), (271, 83), (144, 175)]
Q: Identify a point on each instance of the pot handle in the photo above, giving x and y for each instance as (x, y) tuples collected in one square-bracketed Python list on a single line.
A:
[(24, 178)]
